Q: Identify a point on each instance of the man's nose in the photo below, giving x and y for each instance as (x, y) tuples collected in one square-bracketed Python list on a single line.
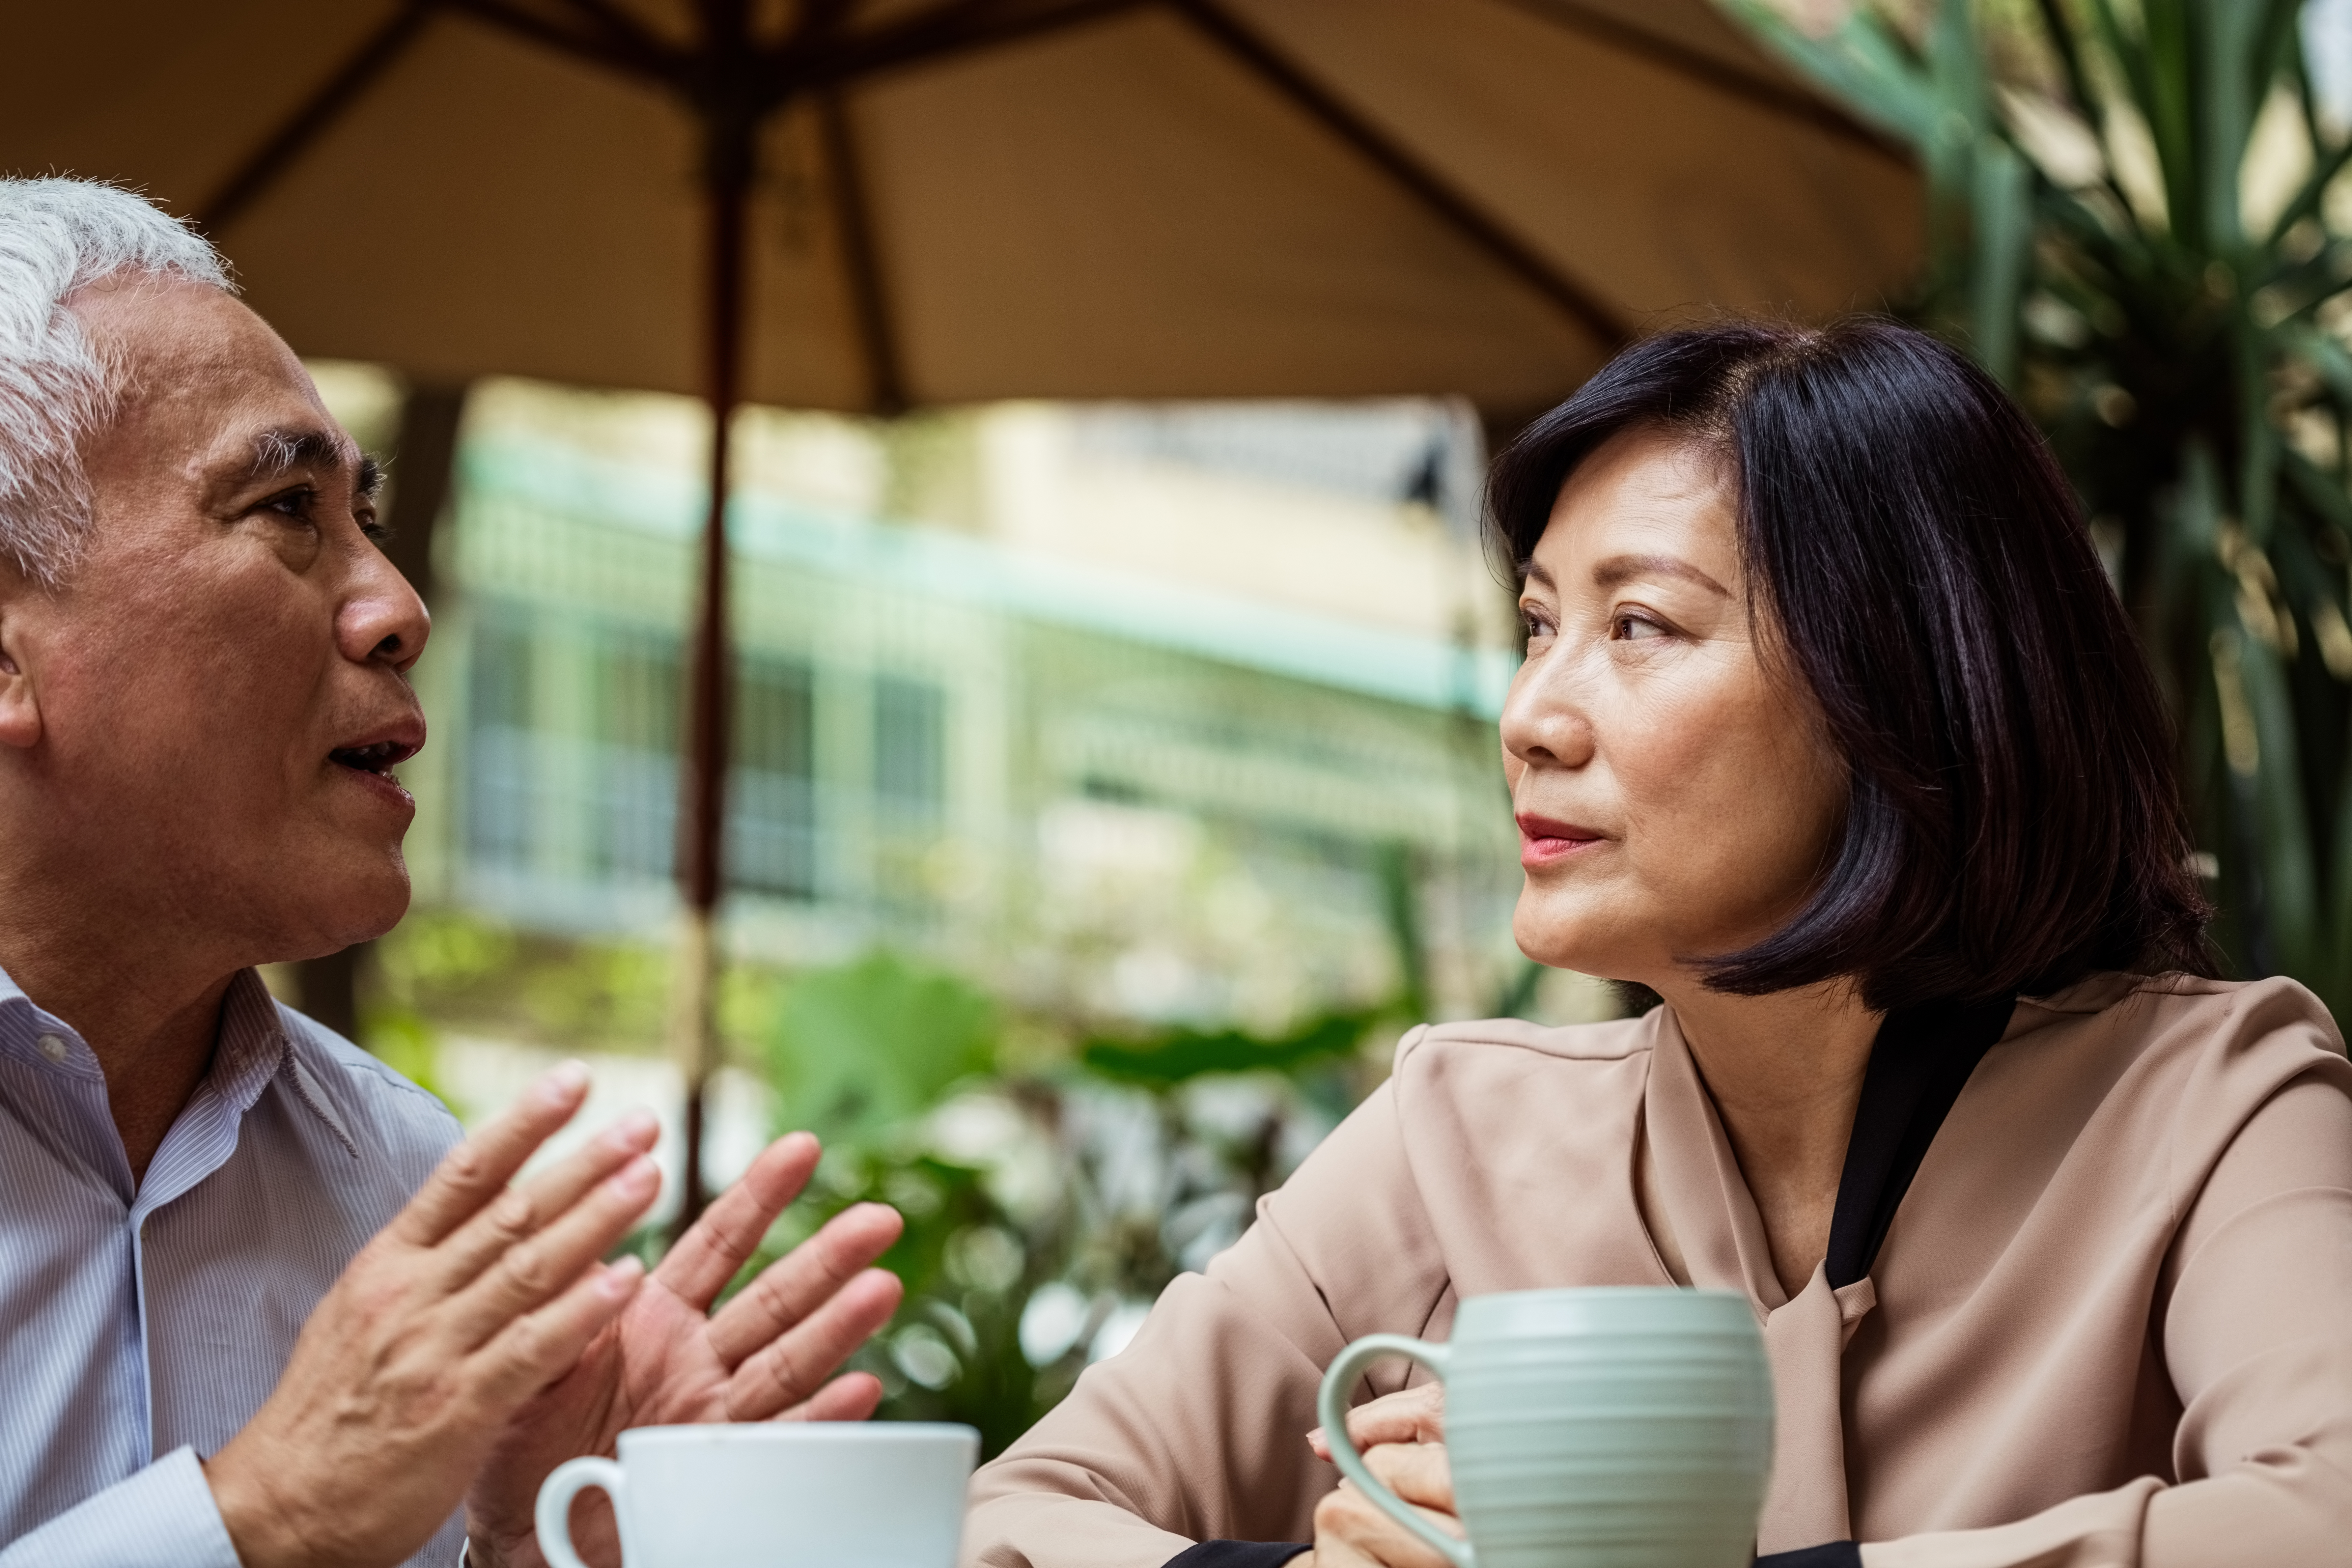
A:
[(382, 619)]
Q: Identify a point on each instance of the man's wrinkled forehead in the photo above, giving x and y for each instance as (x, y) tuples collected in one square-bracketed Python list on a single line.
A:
[(209, 389)]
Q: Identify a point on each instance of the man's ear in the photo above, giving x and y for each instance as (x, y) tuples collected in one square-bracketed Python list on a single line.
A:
[(20, 711)]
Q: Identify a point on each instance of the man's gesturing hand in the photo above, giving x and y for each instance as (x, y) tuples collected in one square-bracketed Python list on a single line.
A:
[(461, 1310), (668, 1359)]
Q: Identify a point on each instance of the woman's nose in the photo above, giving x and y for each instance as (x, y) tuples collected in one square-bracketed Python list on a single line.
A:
[(1542, 725)]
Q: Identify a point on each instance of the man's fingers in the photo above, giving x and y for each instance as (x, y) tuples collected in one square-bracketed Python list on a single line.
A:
[(525, 1208), (709, 1254), (478, 1168), (804, 1279), (535, 1348), (790, 1369), (534, 1271), (852, 1397)]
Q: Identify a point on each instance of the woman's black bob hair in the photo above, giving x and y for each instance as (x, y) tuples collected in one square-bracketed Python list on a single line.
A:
[(2012, 822)]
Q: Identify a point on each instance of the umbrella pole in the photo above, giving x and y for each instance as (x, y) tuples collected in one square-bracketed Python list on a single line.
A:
[(694, 1023)]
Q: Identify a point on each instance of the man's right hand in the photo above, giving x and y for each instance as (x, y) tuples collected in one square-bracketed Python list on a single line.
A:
[(470, 1301)]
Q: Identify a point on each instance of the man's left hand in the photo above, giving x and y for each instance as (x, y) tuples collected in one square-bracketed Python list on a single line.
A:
[(668, 1359)]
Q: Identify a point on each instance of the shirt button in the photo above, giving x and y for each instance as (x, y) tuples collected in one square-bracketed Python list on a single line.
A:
[(52, 1047)]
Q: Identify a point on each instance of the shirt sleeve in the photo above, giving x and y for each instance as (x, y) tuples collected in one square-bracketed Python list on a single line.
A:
[(163, 1517), (2256, 1341), (1196, 1432)]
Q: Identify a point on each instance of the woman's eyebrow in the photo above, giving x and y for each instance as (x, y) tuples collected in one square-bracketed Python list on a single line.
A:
[(1619, 568)]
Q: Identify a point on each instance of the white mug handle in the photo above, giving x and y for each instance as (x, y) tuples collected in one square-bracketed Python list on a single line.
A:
[(553, 1515), (1331, 1409)]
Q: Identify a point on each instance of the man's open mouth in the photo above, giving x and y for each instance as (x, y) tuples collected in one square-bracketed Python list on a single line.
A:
[(379, 759)]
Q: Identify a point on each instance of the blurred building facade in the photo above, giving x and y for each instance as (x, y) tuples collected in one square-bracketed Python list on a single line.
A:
[(1130, 711), (1133, 717)]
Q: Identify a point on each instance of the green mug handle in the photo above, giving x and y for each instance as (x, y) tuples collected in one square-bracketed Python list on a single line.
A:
[(1331, 1409)]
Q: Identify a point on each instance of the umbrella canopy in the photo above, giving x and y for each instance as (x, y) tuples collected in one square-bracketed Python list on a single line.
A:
[(874, 203), (953, 200)]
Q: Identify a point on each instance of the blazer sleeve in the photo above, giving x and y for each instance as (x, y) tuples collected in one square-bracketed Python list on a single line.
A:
[(2258, 1341), (1197, 1430)]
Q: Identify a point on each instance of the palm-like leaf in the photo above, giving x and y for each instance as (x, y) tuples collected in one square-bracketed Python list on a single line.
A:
[(2189, 368)]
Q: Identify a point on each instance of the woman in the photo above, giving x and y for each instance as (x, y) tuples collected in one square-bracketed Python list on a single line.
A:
[(1832, 733)]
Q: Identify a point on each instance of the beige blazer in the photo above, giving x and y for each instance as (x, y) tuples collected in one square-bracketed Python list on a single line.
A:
[(2111, 1323)]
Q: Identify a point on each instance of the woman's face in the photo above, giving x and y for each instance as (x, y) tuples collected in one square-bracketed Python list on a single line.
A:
[(1675, 796)]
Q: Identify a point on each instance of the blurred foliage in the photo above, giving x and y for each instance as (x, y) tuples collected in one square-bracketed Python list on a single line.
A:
[(1047, 1202), (2136, 222), (1170, 1057), (472, 972), (1050, 1195), (859, 1050)]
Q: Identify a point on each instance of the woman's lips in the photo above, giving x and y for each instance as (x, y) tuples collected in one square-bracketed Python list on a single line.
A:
[(1544, 841)]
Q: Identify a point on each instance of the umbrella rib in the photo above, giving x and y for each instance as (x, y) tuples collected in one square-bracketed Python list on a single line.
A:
[(612, 52), (1699, 66), (625, 32), (941, 32), (846, 176), (1422, 183), (310, 119)]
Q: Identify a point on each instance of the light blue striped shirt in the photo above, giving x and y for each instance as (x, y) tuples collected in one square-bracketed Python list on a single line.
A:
[(145, 1323)]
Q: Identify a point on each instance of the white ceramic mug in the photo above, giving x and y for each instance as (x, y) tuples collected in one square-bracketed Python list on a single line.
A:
[(794, 1494), (1603, 1428)]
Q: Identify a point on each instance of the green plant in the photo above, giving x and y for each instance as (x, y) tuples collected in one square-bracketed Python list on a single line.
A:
[(2129, 222), (860, 1051), (1069, 1185)]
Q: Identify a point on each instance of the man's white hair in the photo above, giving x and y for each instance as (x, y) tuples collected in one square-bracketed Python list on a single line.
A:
[(58, 236)]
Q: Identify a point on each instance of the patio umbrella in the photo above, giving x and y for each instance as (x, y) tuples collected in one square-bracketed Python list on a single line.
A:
[(870, 204)]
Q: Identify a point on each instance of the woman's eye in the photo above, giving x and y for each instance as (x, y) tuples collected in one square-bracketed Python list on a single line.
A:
[(1535, 623), (1637, 628)]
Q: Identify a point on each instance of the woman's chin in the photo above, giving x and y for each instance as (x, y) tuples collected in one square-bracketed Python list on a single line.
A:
[(1566, 938)]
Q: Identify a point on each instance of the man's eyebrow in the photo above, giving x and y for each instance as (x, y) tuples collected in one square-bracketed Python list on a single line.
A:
[(1621, 569), (370, 478), (275, 452)]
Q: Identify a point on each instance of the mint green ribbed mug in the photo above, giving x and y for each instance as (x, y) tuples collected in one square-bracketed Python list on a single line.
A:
[(1617, 1426)]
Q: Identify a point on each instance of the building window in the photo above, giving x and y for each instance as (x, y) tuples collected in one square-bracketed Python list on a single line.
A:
[(631, 782), (500, 795), (909, 749), (771, 793)]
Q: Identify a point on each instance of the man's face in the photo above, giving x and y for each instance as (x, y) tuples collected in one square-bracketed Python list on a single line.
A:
[(221, 683)]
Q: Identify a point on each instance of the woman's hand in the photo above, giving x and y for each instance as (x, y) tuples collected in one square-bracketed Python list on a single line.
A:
[(1402, 1438)]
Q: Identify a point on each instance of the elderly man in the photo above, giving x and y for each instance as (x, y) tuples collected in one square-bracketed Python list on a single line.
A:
[(262, 1307)]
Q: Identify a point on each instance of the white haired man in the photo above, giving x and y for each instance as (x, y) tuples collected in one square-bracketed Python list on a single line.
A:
[(262, 1306)]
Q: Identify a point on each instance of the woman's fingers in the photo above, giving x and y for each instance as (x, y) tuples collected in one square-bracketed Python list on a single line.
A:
[(477, 1170), (790, 1369), (852, 1397), (1417, 1472), (1408, 1416), (535, 1271), (707, 1257), (536, 1348), (526, 1208), (804, 1279), (1350, 1529)]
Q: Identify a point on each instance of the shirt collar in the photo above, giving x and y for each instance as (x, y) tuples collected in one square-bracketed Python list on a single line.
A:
[(250, 1049)]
